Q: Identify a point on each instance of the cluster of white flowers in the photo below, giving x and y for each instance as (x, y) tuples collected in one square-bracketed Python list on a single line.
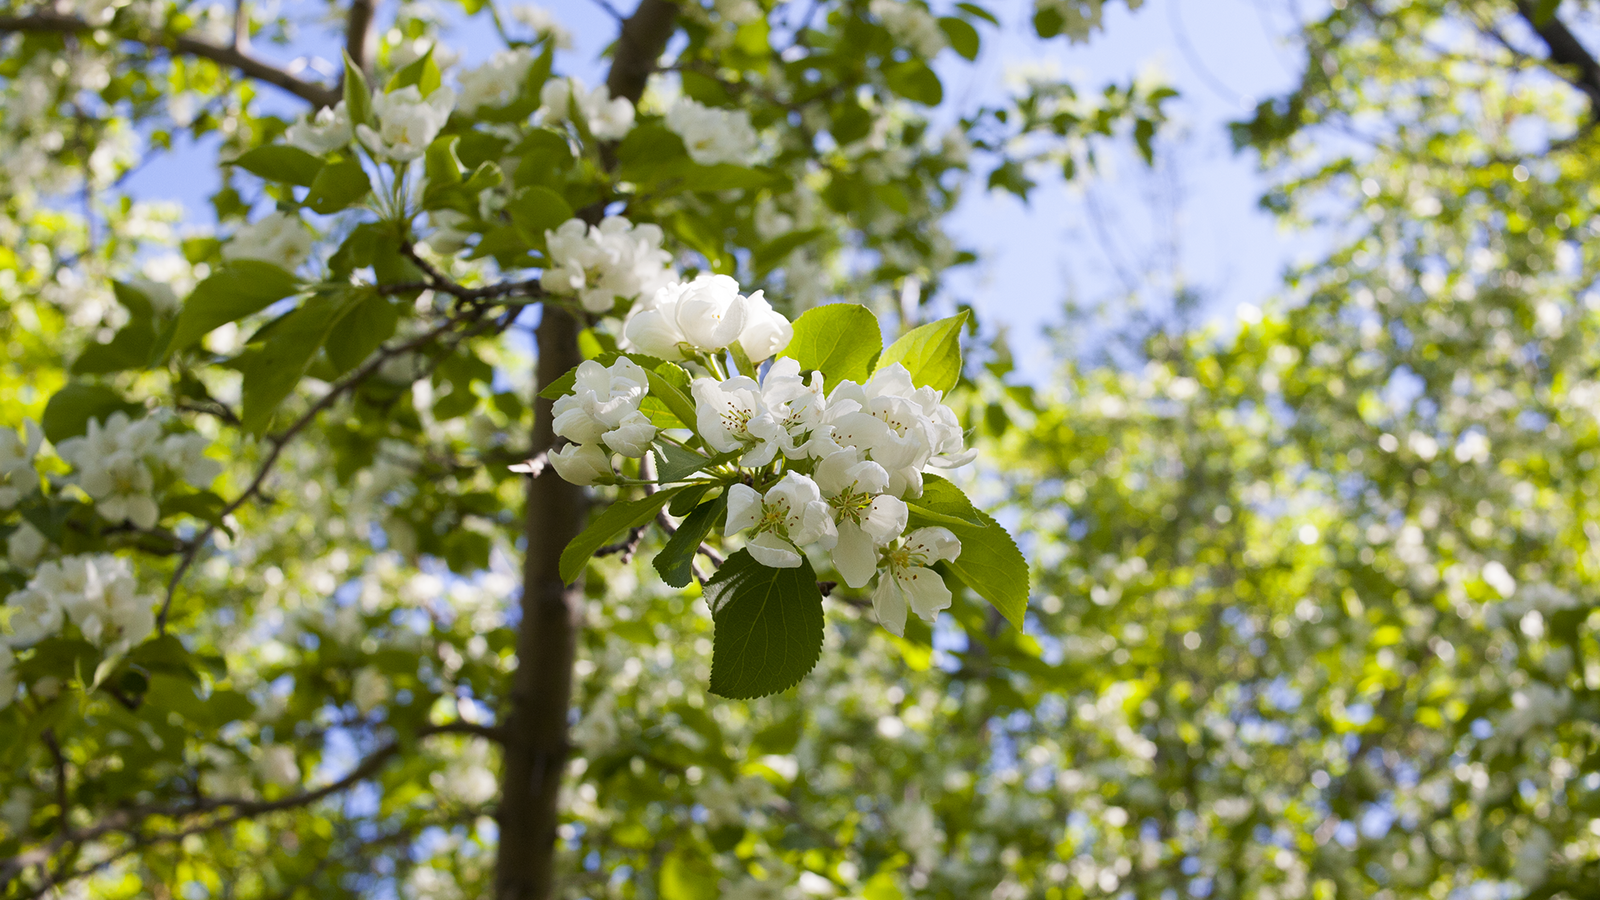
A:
[(98, 594), (407, 122), (280, 238), (821, 468), (911, 25), (18, 477), (543, 23), (601, 416), (606, 118), (714, 135), (615, 260), (326, 130), (117, 461), (705, 315), (496, 82)]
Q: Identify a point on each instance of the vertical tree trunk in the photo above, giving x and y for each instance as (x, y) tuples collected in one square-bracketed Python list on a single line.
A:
[(541, 693)]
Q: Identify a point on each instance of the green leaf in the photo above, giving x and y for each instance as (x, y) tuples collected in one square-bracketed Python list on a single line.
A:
[(70, 409), (976, 10), (963, 37), (914, 81), (673, 463), (612, 523), (132, 345), (535, 210), (357, 94), (240, 288), (337, 186), (668, 393), (646, 151), (272, 370), (931, 353), (686, 877), (839, 340), (990, 562), (280, 162), (724, 177), (423, 73), (659, 409), (768, 627), (361, 330), (675, 562), (441, 164), (768, 255), (1545, 11)]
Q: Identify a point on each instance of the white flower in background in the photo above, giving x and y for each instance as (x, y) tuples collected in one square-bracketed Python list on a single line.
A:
[(583, 464), (185, 454), (35, 615), (280, 238), (907, 580), (597, 731), (602, 396), (470, 778), (700, 316), (326, 130), (110, 612), (451, 231), (911, 25), (738, 12), (18, 477), (615, 260), (26, 545), (766, 331), (955, 147), (407, 122), (789, 516), (606, 118), (714, 135), (370, 690), (8, 676), (867, 519), (121, 485), (496, 82), (278, 766), (1078, 17), (543, 23)]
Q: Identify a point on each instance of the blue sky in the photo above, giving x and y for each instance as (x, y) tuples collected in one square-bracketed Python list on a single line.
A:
[(1191, 223)]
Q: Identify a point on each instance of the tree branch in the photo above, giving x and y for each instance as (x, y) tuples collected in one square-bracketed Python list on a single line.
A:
[(228, 57), (358, 33), (1565, 49)]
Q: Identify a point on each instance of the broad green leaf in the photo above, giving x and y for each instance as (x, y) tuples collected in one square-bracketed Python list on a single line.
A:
[(616, 520), (914, 81), (839, 340), (272, 370), (980, 12), (773, 252), (338, 186), (359, 331), (687, 877), (668, 393), (931, 353), (280, 162), (535, 210), (240, 288), (70, 409), (676, 560), (723, 177), (673, 463), (768, 627), (357, 94), (440, 163), (133, 343), (963, 37), (422, 72), (990, 562), (659, 409), (647, 151)]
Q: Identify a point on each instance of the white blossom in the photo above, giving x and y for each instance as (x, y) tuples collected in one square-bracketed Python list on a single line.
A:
[(543, 24), (18, 478), (496, 82), (899, 426), (280, 238), (407, 122), (866, 518), (911, 25), (713, 135), (370, 689), (615, 260), (907, 580), (700, 316), (606, 118), (26, 545), (185, 454), (121, 485), (766, 331), (326, 130), (278, 766), (582, 464), (99, 594), (791, 515), (601, 400)]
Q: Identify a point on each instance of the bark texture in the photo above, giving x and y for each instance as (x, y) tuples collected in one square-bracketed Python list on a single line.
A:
[(536, 747)]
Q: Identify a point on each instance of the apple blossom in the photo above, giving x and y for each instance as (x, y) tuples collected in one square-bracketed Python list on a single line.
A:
[(18, 478), (279, 238), (866, 518), (606, 118), (907, 580), (791, 515), (407, 122), (322, 132), (713, 135), (615, 260), (496, 82), (583, 464)]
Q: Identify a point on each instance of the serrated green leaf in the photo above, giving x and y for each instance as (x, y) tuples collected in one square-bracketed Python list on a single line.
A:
[(675, 562), (931, 353), (768, 627), (240, 288), (338, 186), (282, 163), (990, 562), (839, 340), (610, 524)]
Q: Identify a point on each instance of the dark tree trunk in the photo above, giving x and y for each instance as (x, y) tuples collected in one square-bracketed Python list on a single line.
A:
[(541, 694)]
